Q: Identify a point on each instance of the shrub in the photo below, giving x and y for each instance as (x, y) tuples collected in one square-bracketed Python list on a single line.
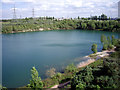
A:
[(70, 68), (94, 48)]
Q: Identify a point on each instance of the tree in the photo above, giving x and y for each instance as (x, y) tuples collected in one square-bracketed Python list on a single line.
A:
[(110, 46), (109, 41), (105, 46), (36, 81), (103, 39), (114, 41), (83, 25), (94, 17), (93, 26), (103, 17), (94, 48)]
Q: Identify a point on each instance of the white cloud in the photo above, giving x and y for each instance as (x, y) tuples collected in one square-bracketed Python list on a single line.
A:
[(67, 7), (7, 1)]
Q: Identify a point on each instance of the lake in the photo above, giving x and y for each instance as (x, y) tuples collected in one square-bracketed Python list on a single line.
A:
[(44, 50)]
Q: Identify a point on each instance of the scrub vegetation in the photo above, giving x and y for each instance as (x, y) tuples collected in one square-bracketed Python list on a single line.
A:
[(102, 23)]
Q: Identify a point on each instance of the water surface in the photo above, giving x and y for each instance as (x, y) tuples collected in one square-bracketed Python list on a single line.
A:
[(44, 50)]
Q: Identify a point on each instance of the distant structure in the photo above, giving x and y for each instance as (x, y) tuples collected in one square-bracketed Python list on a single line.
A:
[(119, 9), (33, 13), (14, 13)]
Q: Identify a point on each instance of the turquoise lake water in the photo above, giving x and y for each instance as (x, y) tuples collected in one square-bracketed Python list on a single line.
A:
[(44, 50)]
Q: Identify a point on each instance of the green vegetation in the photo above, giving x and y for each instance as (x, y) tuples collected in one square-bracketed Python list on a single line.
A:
[(94, 48), (2, 88), (108, 43), (50, 23), (58, 78), (104, 75), (70, 68), (36, 81)]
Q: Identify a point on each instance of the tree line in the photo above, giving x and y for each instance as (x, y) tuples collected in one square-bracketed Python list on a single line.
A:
[(51, 23)]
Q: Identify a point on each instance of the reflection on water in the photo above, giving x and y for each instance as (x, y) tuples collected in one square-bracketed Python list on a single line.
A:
[(44, 50)]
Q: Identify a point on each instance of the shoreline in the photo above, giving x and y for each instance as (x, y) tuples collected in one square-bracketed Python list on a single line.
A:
[(36, 30), (93, 57), (43, 29)]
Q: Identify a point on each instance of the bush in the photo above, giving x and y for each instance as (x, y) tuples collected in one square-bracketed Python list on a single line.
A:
[(83, 79), (110, 46), (94, 48), (70, 68)]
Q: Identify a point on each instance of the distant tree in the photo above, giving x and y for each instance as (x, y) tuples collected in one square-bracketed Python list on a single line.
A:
[(99, 25), (94, 48), (113, 40), (99, 18), (93, 26), (105, 46), (78, 17), (36, 81), (13, 28), (110, 46), (94, 17), (83, 25), (103, 17), (109, 40), (103, 39)]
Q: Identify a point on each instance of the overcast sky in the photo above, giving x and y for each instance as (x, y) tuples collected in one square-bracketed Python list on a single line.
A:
[(59, 8)]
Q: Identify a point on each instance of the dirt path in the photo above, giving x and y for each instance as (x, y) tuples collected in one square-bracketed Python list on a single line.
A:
[(56, 86)]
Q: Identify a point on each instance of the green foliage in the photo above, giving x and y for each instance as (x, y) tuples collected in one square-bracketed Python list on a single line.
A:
[(36, 81), (105, 46), (105, 76), (94, 48), (103, 17), (103, 39), (3, 88), (83, 79), (109, 40), (70, 68), (110, 46), (51, 23), (114, 41)]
